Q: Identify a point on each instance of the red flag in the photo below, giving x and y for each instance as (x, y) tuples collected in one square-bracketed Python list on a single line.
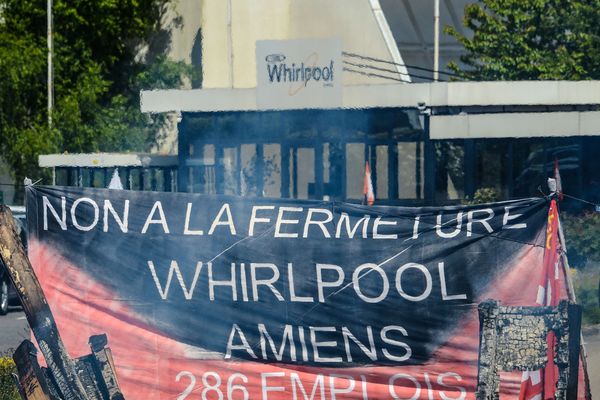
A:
[(559, 190), (368, 186), (540, 384)]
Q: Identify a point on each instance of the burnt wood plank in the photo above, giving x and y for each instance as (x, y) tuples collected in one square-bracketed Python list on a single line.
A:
[(87, 374), (32, 380), (574, 347), (105, 366), (39, 316)]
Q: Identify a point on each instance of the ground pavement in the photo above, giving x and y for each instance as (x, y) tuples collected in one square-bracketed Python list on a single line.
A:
[(13, 330)]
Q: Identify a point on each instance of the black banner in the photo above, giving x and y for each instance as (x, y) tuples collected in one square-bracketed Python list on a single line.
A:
[(302, 283)]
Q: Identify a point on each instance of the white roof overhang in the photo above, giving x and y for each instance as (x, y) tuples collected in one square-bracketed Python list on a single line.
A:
[(431, 95), (106, 160), (439, 94), (515, 125)]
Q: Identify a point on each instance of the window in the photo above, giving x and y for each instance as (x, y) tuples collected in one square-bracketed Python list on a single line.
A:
[(304, 154)]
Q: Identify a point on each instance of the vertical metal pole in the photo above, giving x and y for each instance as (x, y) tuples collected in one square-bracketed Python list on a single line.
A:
[(238, 169), (430, 165), (106, 178), (153, 179), (167, 174), (219, 169), (393, 170), (508, 182), (142, 179), (319, 186), (436, 41), (183, 151), (419, 161), (259, 171), (129, 179), (174, 173), (50, 69), (472, 177), (285, 170), (295, 172)]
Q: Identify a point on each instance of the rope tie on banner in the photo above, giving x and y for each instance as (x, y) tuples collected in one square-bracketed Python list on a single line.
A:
[(553, 193), (26, 182), (597, 206), (548, 196)]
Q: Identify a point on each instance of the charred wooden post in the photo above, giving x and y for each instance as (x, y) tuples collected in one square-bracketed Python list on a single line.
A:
[(91, 377), (514, 339), (32, 381), (105, 366), (36, 309)]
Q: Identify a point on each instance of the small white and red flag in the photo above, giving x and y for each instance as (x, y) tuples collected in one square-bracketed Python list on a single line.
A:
[(541, 384), (559, 190), (368, 186)]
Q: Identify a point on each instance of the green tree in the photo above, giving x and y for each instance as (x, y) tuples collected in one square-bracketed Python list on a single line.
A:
[(530, 40), (106, 51), (541, 40)]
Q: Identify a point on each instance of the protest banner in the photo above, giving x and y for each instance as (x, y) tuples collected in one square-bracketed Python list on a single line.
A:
[(217, 297)]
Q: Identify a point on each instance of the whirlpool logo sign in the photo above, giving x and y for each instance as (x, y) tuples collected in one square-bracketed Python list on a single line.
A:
[(279, 70), (299, 73)]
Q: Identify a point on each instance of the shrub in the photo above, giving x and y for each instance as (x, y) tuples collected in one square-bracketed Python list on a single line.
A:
[(585, 282), (582, 233), (483, 195), (8, 390)]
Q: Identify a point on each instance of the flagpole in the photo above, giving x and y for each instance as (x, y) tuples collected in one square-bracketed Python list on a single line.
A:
[(50, 66), (572, 297)]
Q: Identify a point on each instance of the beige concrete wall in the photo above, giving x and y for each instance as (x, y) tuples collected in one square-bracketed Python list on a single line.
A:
[(215, 44), (252, 21), (184, 35), (352, 20), (232, 27)]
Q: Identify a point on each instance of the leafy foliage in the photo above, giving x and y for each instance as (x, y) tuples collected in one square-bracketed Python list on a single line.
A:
[(483, 195), (8, 390), (540, 40), (582, 233), (530, 39), (106, 51), (585, 282)]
